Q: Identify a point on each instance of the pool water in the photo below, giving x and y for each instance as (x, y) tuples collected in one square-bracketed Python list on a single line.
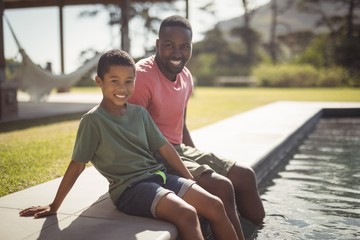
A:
[(316, 194)]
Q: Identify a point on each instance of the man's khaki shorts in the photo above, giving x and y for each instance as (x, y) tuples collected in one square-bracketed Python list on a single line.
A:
[(199, 162)]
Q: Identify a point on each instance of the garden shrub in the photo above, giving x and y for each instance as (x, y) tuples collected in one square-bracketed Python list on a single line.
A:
[(304, 75), (333, 77), (286, 75)]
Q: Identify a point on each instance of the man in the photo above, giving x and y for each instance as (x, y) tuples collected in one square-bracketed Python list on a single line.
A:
[(163, 87)]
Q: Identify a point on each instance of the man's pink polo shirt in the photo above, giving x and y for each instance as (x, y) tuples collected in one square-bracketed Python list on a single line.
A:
[(165, 100)]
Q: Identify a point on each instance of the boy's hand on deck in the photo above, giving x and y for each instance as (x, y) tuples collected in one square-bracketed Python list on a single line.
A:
[(37, 211)]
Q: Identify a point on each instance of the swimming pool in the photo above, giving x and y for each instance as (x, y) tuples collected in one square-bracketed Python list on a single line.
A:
[(315, 194)]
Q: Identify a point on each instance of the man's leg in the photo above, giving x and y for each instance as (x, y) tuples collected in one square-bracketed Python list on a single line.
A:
[(242, 178), (247, 195), (221, 187), (212, 209)]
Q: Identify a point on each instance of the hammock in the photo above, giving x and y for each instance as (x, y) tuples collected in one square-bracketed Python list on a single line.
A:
[(38, 82)]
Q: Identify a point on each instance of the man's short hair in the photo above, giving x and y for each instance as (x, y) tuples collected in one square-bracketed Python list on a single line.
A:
[(175, 21), (111, 58)]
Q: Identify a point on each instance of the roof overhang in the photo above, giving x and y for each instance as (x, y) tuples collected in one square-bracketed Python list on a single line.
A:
[(12, 4)]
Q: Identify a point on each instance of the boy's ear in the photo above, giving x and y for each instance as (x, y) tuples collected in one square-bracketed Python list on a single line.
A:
[(98, 81)]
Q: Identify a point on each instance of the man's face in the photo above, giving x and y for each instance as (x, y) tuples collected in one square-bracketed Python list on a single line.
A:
[(174, 48)]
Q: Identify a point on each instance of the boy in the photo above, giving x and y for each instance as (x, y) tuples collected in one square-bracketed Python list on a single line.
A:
[(119, 139)]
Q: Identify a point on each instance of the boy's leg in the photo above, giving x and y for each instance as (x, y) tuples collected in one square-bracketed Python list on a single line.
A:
[(173, 209), (212, 209), (150, 199)]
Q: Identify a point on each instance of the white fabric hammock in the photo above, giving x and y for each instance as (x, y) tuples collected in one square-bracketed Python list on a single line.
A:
[(38, 82)]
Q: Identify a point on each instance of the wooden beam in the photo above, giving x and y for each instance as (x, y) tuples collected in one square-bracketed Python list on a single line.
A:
[(2, 46), (8, 90), (61, 25), (11, 4)]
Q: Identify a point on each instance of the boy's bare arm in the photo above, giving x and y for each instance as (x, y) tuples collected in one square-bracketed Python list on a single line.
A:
[(72, 173), (172, 158)]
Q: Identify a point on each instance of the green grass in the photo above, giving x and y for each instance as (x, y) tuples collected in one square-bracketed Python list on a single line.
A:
[(38, 154), (35, 155), (209, 105)]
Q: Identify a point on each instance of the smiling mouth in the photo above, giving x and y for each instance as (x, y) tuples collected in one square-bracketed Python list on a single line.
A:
[(176, 63), (120, 96)]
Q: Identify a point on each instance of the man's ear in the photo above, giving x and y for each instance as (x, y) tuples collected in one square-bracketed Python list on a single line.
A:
[(157, 44), (98, 81)]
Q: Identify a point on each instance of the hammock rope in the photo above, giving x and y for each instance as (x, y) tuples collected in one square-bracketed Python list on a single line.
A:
[(37, 82)]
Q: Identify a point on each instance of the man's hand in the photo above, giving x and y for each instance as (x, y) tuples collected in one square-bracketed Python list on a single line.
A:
[(38, 211)]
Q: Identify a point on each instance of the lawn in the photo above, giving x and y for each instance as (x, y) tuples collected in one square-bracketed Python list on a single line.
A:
[(37, 154), (209, 105)]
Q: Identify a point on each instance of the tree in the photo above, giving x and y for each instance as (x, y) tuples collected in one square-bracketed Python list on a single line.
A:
[(343, 32), (272, 47), (347, 50), (214, 57), (275, 12), (247, 32), (135, 11)]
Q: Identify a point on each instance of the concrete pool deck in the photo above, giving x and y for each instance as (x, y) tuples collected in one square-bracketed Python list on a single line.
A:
[(258, 138)]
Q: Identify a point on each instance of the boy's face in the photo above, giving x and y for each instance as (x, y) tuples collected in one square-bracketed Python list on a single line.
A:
[(174, 49), (117, 85)]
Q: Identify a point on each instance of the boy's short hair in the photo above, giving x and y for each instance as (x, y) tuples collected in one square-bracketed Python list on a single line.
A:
[(111, 58), (175, 21)]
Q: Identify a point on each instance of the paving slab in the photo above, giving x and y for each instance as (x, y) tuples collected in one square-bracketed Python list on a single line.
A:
[(80, 228), (86, 213), (56, 105)]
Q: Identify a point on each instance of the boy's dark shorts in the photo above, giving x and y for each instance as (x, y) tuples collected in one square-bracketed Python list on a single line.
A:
[(142, 198)]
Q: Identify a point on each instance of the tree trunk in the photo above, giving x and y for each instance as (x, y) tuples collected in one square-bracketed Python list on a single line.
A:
[(248, 33), (272, 46)]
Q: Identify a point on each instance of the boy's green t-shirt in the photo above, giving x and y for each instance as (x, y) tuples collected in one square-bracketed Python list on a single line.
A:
[(120, 148)]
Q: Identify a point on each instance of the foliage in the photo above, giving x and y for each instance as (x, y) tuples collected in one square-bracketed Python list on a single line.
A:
[(340, 47), (333, 77), (305, 75), (339, 70), (215, 56), (251, 39), (286, 75), (202, 68), (296, 42), (146, 14), (347, 52), (334, 51), (317, 53)]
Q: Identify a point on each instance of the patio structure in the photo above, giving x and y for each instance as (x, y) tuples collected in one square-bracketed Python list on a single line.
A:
[(8, 92)]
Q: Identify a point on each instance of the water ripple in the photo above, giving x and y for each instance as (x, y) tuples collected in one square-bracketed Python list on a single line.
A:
[(317, 195)]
